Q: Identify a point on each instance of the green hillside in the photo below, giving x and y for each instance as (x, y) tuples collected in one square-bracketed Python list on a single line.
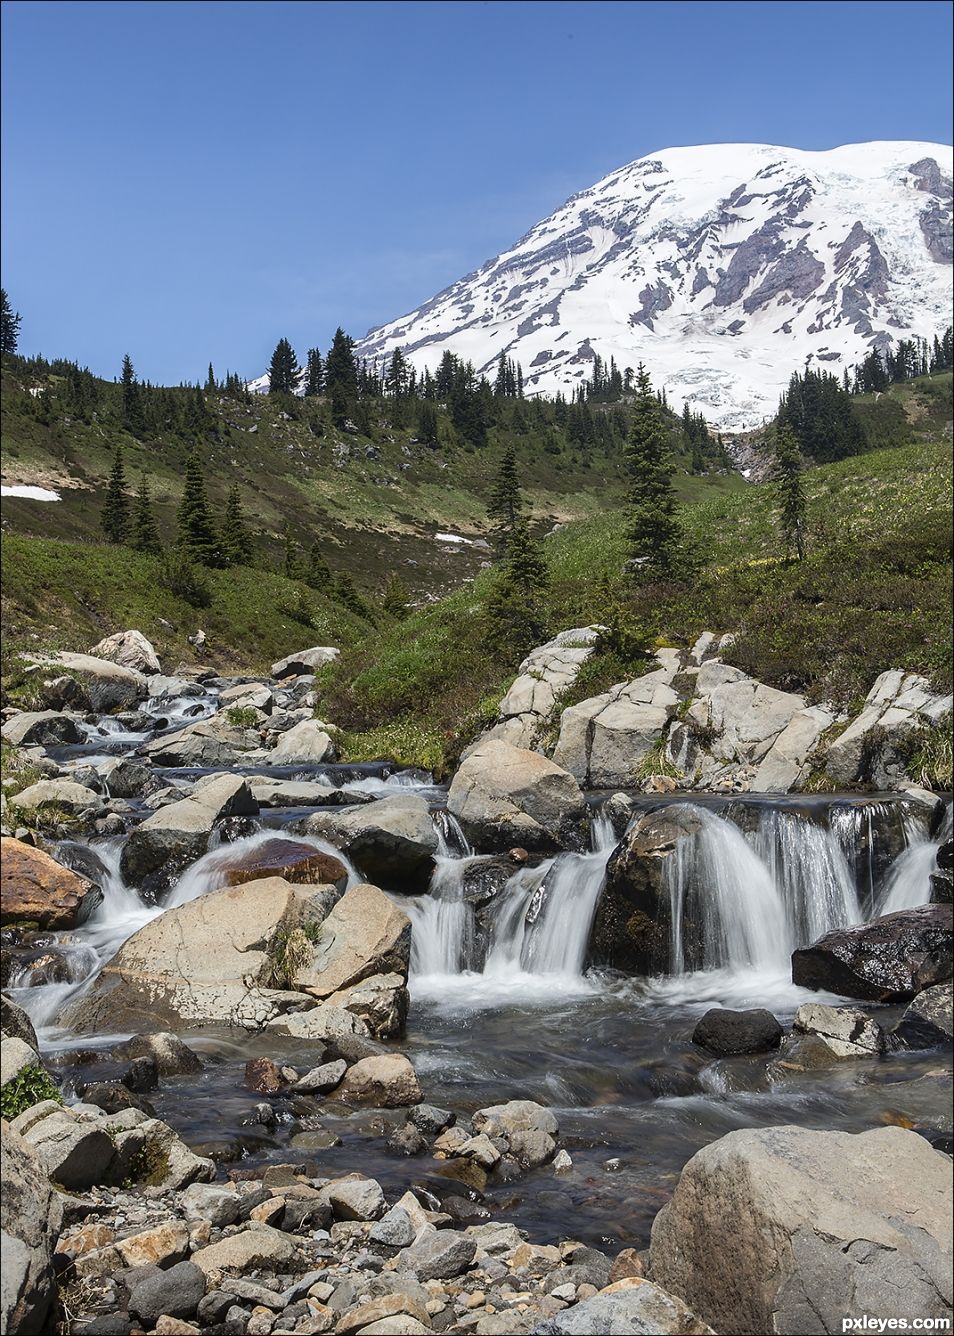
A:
[(874, 591)]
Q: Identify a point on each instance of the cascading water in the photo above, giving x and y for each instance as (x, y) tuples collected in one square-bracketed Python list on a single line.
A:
[(716, 879), (908, 882), (539, 922), (809, 868)]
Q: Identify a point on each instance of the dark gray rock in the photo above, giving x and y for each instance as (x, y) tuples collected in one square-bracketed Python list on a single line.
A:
[(726, 1033), (892, 958), (429, 1119), (928, 1021), (176, 1292)]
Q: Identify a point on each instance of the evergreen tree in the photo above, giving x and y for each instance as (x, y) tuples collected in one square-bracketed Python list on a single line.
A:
[(394, 600), (132, 401), (293, 560), (314, 374), (505, 507), (654, 533), (283, 369), (791, 494), (210, 384), (318, 574), (514, 607), (196, 532), (10, 321), (821, 415), (145, 529), (341, 376), (236, 538), (115, 517), (427, 430)]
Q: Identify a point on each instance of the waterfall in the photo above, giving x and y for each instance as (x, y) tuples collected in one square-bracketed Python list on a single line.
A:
[(539, 923), (210, 872), (808, 866), (908, 883), (718, 881)]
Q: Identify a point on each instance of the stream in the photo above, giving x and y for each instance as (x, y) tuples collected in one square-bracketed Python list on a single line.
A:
[(503, 1006)]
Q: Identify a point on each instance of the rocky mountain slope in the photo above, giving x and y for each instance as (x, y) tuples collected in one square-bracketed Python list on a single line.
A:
[(720, 266)]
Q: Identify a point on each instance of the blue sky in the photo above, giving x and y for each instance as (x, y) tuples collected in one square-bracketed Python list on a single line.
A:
[(192, 181)]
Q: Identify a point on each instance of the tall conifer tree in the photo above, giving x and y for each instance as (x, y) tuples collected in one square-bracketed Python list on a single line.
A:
[(791, 494), (236, 539), (145, 529), (654, 533), (115, 517), (197, 537), (9, 324), (283, 369)]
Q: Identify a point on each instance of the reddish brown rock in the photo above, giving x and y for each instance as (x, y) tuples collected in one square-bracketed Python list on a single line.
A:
[(263, 1077), (289, 859), (35, 888)]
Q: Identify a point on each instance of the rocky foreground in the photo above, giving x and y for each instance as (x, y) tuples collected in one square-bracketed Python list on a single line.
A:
[(112, 1224)]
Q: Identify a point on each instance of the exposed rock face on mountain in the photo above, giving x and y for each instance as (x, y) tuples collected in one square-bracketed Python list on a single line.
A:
[(722, 267)]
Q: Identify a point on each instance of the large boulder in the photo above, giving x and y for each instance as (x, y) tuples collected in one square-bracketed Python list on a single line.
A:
[(872, 747), (226, 958), (889, 959), (744, 716), (844, 1031), (364, 935), (787, 1230), (787, 763), (305, 661), (728, 1033), (393, 840), (30, 1218), (202, 746), (108, 686), (64, 794), (505, 796), (306, 743), (603, 740), (35, 888), (160, 848), (130, 649), (632, 928), (41, 727), (928, 1021)]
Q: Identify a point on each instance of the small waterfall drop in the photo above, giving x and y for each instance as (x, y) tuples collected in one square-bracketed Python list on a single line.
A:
[(908, 882), (810, 870), (717, 880)]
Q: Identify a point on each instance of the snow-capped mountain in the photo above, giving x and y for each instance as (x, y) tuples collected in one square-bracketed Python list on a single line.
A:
[(722, 267)]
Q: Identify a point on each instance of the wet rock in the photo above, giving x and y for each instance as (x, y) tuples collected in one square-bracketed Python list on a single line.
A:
[(131, 779), (290, 859), (113, 1097), (322, 1022), (726, 1032), (847, 1032), (505, 796), (531, 1148), (15, 1023), (175, 1293), (438, 1256), (30, 1219), (430, 1120), (47, 728), (130, 649), (392, 840), (141, 1075), (518, 1115), (160, 848), (632, 929), (387, 1082), (171, 1056), (928, 1020), (892, 958), (263, 1077), (321, 1079), (630, 1307), (784, 1229)]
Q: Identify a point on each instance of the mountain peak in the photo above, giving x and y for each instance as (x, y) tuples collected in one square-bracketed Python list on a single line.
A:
[(721, 266)]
